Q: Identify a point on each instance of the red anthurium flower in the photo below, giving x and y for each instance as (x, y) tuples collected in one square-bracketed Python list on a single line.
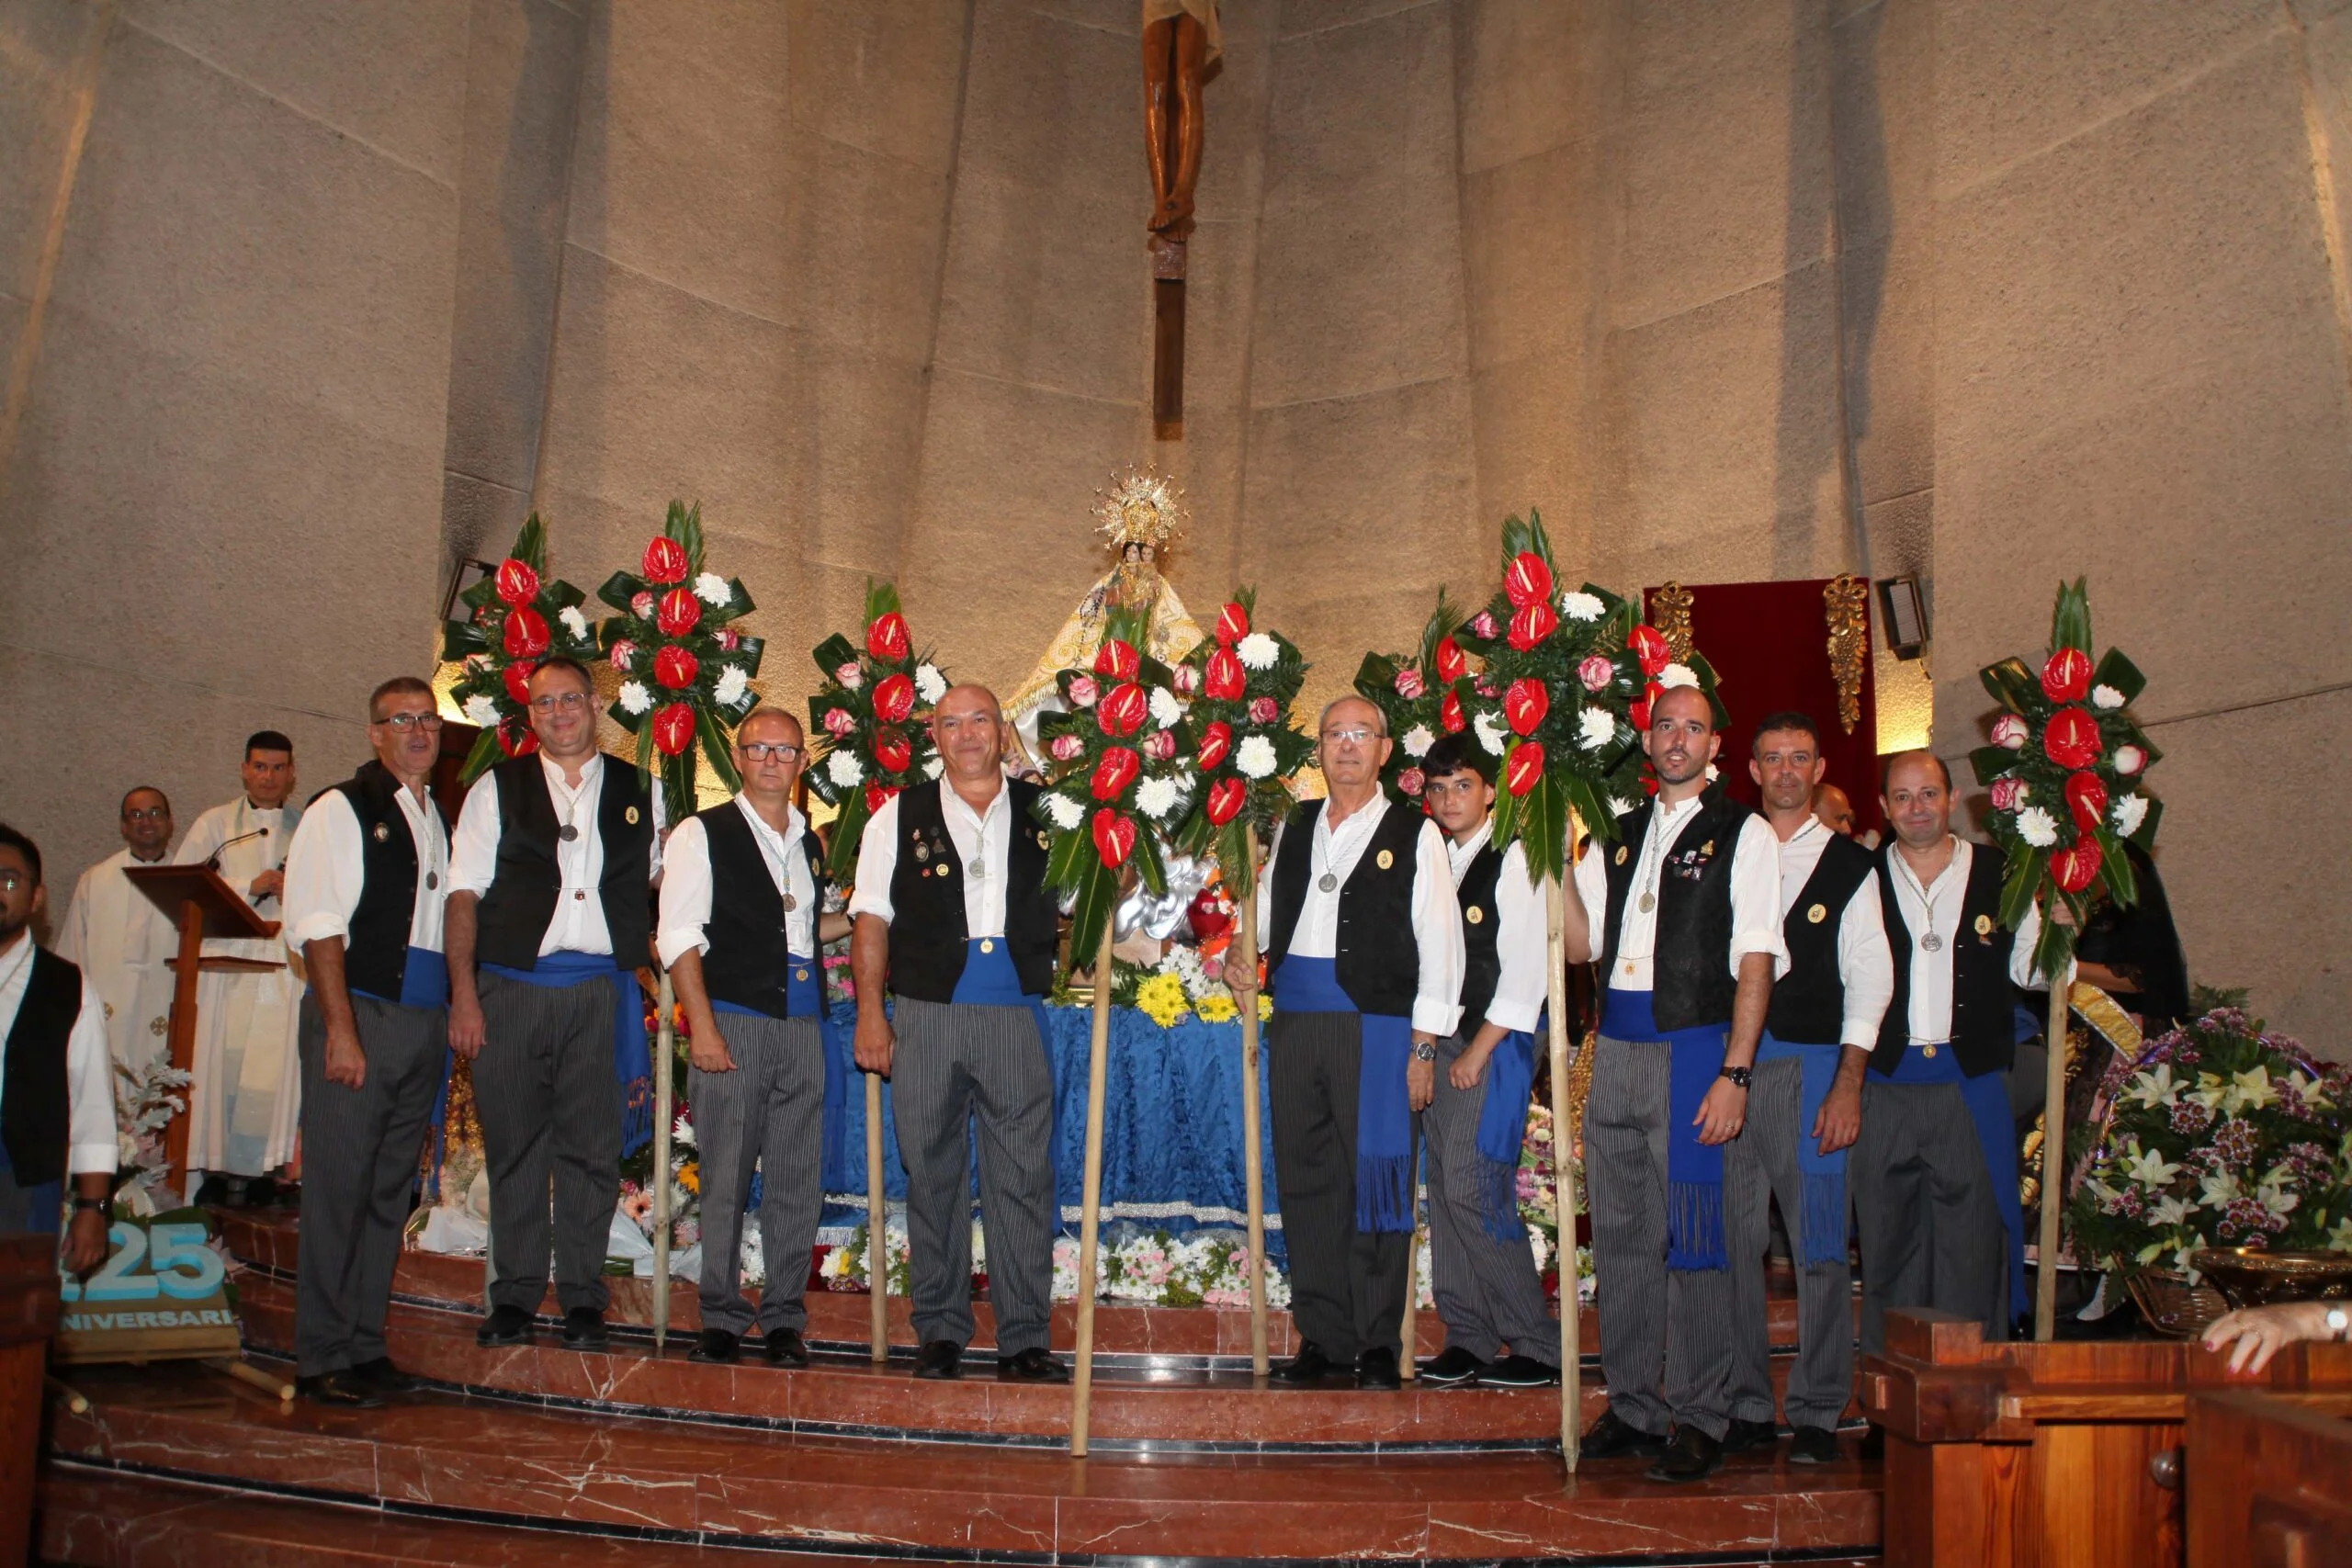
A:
[(1452, 662), (526, 633), (1449, 713), (1527, 580), (1215, 741), (1114, 837), (665, 561), (1532, 625), (518, 679), (1232, 624), (1523, 767), (2086, 798), (517, 583), (1649, 646), (2066, 677), (886, 638), (1526, 704), (1225, 677), (894, 698), (678, 613), (2072, 738), (1117, 659), (675, 667), (1638, 713), (1114, 772), (892, 752), (1227, 797), (1122, 713), (673, 730), (875, 794), (514, 739), (2077, 868)]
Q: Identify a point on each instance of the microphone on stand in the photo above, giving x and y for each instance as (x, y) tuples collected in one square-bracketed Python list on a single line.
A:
[(212, 862)]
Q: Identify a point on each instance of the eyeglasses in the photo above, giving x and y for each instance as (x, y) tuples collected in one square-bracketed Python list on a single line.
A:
[(148, 814), (760, 751), (568, 702), (1357, 736), (407, 721)]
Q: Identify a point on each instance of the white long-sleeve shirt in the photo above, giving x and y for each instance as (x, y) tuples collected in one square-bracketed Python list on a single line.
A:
[(1939, 911), (578, 925), (1437, 918), (91, 1144), (686, 884), (1865, 966), (1522, 939), (983, 841), (326, 871), (1755, 895)]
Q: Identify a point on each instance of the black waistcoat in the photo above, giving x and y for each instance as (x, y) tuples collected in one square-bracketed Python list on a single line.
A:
[(927, 927), (1481, 926), (1809, 1002), (375, 948), (36, 1107), (749, 950), (1378, 959), (520, 905), (1984, 1001), (1690, 978)]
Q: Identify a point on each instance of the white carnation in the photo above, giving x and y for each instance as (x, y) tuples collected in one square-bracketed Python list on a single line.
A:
[(1165, 709), (1675, 675), (1594, 727), (2106, 698), (844, 768), (2037, 827), (635, 698), (1714, 772), (1067, 813), (1255, 757), (1580, 606), (930, 684), (933, 767), (2129, 813), (731, 684), (712, 590), (1418, 740), (1258, 652), (1489, 729), (1617, 808), (482, 713), (575, 623), (1157, 797)]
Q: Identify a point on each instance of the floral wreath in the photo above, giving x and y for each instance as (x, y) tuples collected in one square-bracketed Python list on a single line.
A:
[(872, 717), (519, 616), (1417, 693), (1242, 685), (2063, 772), (685, 673)]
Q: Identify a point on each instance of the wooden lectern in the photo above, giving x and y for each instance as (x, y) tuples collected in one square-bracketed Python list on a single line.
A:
[(201, 904)]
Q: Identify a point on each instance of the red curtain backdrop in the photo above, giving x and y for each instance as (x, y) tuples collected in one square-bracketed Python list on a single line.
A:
[(1770, 645)]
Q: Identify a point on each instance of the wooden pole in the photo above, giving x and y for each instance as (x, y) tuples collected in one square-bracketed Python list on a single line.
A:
[(1409, 1363), (1564, 1176), (2053, 1165), (665, 1051), (1098, 1053), (878, 1216), (183, 1038), (1253, 1160)]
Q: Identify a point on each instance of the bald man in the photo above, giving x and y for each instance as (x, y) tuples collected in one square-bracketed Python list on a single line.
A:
[(1837, 812)]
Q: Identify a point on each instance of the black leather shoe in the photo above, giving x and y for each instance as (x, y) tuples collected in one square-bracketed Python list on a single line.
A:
[(1310, 1365), (1037, 1364), (583, 1329), (938, 1358), (339, 1389), (1691, 1455), (506, 1325), (1521, 1371), (716, 1345), (1612, 1437), (1452, 1368), (1741, 1435), (1812, 1445), (385, 1378), (1376, 1368), (784, 1348)]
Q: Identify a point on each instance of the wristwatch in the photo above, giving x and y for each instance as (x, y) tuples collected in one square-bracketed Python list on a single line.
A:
[(1737, 1074), (82, 1204), (2338, 1320), (1424, 1052)]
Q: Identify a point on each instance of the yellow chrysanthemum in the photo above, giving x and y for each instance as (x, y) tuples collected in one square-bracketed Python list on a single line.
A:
[(690, 1178), (1265, 1007), (1217, 1008), (1162, 1000)]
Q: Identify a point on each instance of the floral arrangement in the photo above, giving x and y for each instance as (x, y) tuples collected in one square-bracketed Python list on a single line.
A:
[(1242, 686), (144, 1104), (1183, 984), (2217, 1135), (1567, 687), (1536, 1168), (685, 1185), (870, 722), (1419, 694), (1121, 773), (2065, 769), (685, 673), (516, 616)]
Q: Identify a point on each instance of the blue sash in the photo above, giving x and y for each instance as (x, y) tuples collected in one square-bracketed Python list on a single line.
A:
[(1694, 1171), (424, 983), (1821, 1237), (1987, 1097), (1502, 1132), (1384, 1110), (803, 993), (632, 1058)]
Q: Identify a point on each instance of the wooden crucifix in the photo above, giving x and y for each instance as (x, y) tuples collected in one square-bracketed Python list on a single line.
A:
[(1180, 48)]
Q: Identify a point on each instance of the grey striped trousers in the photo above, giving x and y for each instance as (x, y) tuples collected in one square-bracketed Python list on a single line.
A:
[(359, 1163), (1759, 1165), (957, 1064), (770, 1111), (550, 1115), (1488, 1290), (1930, 1227), (1665, 1335)]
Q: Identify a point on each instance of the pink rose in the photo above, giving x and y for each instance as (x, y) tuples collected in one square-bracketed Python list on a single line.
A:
[(1187, 680), (1596, 673), (1487, 688), (641, 606), (730, 639), (1482, 626), (851, 675), (2011, 731), (2130, 760), (1161, 746), (1082, 691), (624, 654), (1408, 684), (839, 722), (1065, 747), (1265, 710), (2008, 794), (1410, 781)]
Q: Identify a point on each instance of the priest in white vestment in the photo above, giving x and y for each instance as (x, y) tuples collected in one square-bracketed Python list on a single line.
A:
[(245, 1096), (120, 938)]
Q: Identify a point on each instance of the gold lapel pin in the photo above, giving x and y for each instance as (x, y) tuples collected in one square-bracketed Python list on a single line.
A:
[(1384, 859), (1817, 914), (1475, 915)]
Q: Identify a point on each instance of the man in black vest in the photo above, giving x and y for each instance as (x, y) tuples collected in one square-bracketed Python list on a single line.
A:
[(1804, 1103), (547, 892), (366, 878), (56, 1077), (1936, 1166), (1364, 955), (742, 886), (1481, 1271), (954, 921), (1683, 912)]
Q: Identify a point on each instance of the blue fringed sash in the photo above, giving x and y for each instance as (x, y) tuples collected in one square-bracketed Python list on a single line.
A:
[(1503, 1133), (1385, 1185), (632, 1058), (1822, 1228), (1694, 1171)]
